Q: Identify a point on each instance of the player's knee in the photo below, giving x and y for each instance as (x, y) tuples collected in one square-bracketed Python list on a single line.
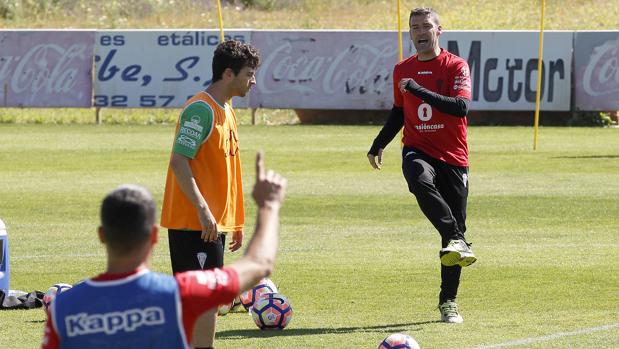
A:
[(420, 185)]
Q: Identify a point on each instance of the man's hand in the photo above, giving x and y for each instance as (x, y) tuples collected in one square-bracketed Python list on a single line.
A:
[(208, 223), (270, 187), (237, 240), (404, 82), (373, 161)]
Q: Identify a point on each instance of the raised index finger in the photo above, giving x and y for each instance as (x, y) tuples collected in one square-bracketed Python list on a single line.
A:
[(260, 166)]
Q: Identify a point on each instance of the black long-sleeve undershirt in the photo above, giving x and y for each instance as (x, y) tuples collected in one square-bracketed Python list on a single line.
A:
[(394, 124), (456, 106)]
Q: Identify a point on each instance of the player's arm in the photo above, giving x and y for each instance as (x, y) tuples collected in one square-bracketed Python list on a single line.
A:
[(50, 337), (259, 258), (457, 102), (195, 125), (187, 182), (392, 126), (457, 106)]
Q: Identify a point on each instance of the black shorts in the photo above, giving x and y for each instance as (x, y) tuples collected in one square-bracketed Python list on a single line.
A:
[(188, 251)]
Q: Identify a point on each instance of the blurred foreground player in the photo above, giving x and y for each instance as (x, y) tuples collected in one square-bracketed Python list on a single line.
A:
[(130, 306)]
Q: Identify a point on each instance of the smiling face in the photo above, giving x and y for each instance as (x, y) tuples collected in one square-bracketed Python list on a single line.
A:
[(424, 31)]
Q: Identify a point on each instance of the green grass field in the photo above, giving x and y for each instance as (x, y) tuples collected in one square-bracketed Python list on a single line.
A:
[(357, 259)]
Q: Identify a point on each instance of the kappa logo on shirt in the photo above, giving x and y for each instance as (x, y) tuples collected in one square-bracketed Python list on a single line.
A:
[(112, 322)]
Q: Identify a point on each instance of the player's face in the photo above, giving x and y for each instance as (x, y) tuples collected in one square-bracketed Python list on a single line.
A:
[(424, 34), (243, 81)]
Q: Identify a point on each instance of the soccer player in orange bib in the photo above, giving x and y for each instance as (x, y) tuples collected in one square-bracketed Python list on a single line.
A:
[(432, 90), (203, 199)]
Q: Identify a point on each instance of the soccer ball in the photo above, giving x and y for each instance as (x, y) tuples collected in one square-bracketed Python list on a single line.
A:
[(399, 341), (250, 296), (272, 311), (224, 309), (51, 293)]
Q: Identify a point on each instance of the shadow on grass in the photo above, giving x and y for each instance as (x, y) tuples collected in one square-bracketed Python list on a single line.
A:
[(256, 333), (587, 157)]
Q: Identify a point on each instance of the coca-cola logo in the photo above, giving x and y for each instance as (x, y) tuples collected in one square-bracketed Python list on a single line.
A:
[(44, 69), (299, 65), (601, 75)]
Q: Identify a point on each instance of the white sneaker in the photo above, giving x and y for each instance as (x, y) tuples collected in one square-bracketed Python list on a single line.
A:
[(449, 312), (457, 252)]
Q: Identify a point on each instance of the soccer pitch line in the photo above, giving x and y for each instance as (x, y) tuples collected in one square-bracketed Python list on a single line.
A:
[(549, 337)]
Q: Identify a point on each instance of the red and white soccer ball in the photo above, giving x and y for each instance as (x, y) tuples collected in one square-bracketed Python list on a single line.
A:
[(399, 341), (272, 311), (250, 296), (51, 293)]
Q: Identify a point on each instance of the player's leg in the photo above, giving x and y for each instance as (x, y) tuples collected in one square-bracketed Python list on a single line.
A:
[(452, 183), (204, 333), (188, 251), (215, 252), (420, 174), (450, 280), (185, 249), (204, 329)]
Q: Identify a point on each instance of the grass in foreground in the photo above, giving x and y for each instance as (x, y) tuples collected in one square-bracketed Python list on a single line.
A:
[(357, 259)]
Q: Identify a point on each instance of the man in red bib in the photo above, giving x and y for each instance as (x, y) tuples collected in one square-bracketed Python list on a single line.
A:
[(432, 91), (129, 306)]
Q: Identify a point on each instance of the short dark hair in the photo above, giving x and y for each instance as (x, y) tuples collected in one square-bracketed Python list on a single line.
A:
[(127, 217), (234, 55), (424, 11)]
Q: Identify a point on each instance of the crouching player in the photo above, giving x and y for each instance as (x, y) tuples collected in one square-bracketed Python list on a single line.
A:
[(130, 306)]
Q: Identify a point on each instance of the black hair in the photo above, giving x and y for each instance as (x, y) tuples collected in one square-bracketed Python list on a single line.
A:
[(127, 217), (234, 55), (424, 11)]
